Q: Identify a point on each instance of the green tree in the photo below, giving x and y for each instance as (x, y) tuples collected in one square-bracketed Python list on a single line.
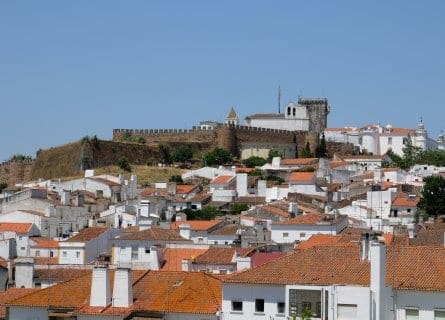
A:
[(306, 152), (254, 162), (306, 314), (206, 213), (321, 151), (182, 154), (237, 208), (124, 164), (273, 154), (432, 198), (217, 156), (176, 178), (164, 152), (3, 185), (411, 154)]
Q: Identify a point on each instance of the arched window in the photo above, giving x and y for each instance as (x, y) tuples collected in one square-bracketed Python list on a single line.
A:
[(288, 111), (294, 112)]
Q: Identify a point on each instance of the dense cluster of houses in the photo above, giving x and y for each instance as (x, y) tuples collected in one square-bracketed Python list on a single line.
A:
[(334, 238)]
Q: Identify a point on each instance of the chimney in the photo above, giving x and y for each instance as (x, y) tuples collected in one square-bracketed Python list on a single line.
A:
[(378, 271), (185, 230), (241, 184), (262, 187), (186, 265), (411, 230), (24, 273), (123, 288), (293, 209), (171, 188), (100, 287), (65, 197), (364, 246), (276, 161), (243, 263)]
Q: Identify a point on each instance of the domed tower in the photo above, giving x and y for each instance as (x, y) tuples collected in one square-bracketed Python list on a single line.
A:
[(421, 135), (441, 141), (232, 117), (369, 140)]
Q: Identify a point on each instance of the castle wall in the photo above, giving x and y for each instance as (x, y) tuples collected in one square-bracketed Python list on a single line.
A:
[(167, 135), (13, 172)]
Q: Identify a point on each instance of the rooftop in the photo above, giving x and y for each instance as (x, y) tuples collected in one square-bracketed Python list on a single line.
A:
[(87, 234)]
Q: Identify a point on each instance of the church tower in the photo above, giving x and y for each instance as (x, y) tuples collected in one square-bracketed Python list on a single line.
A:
[(232, 118)]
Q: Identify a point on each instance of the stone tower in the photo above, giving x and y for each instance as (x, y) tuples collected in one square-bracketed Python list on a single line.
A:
[(317, 111)]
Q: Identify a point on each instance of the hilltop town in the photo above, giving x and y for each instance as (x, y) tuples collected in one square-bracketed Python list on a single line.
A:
[(276, 216)]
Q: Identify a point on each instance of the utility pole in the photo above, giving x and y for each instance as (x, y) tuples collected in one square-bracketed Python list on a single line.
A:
[(279, 99)]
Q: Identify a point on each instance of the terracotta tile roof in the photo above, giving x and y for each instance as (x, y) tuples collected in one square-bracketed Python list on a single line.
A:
[(46, 260), (259, 258), (59, 274), (42, 242), (301, 177), (222, 180), (338, 164), (34, 212), (154, 291), (220, 255), (185, 189), (158, 234), (311, 219), (104, 181), (318, 239), (87, 234), (399, 132), (15, 227), (227, 230), (403, 200), (12, 294), (362, 157), (310, 266), (267, 116), (196, 225), (173, 257), (130, 229), (244, 170), (299, 161)]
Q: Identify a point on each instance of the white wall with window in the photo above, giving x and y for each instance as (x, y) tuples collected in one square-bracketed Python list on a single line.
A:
[(412, 305)]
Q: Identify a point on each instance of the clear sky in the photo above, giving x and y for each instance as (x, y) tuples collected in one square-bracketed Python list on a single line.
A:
[(75, 68)]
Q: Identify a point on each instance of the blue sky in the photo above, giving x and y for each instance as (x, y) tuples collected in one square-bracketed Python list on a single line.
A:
[(75, 68)]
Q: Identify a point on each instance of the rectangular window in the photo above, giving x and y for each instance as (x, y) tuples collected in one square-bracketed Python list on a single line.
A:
[(147, 250), (22, 248), (439, 314), (408, 210), (64, 254), (280, 307), (346, 311), (412, 314), (77, 254), (134, 253), (306, 305), (237, 306), (302, 234), (51, 254), (285, 234), (20, 237), (259, 305), (222, 271), (37, 253), (389, 140)]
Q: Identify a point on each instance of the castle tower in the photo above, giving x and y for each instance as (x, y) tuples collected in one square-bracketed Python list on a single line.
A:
[(421, 135), (232, 117), (441, 141)]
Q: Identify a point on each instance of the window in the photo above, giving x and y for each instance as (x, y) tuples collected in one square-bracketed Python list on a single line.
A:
[(147, 250), (294, 112), (306, 305), (439, 314), (51, 254), (302, 234), (20, 237), (259, 305), (22, 248), (37, 253), (288, 111), (389, 140), (64, 254), (346, 311), (281, 307), (408, 210), (285, 234), (412, 314), (222, 271), (77, 254), (237, 306)]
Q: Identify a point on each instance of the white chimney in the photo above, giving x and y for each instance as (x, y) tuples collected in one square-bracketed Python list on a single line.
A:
[(186, 265), (89, 173), (241, 184), (100, 287), (185, 230), (293, 208), (411, 230), (243, 263), (262, 187), (276, 162), (378, 271), (122, 288), (65, 197)]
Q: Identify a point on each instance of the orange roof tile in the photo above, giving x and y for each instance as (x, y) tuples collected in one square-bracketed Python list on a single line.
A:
[(173, 257), (196, 225), (185, 188), (12, 294), (311, 219), (42, 242), (318, 239), (222, 180), (299, 161), (15, 227), (158, 234), (403, 200), (87, 234), (220, 255), (301, 176)]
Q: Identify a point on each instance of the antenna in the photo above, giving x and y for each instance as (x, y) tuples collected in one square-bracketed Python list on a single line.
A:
[(279, 99)]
